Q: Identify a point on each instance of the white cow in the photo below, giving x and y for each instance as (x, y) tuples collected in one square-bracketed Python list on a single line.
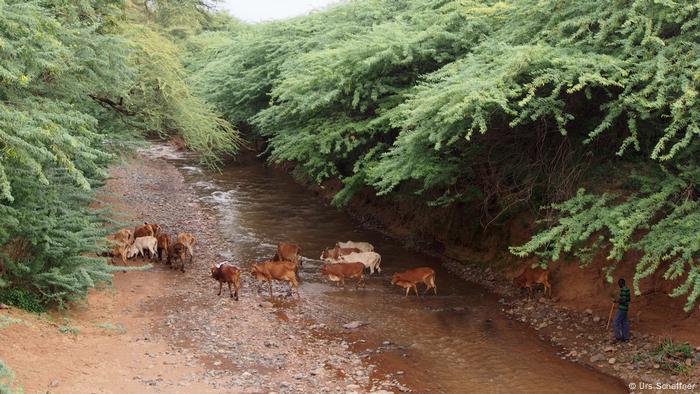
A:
[(370, 260), (363, 246), (141, 244)]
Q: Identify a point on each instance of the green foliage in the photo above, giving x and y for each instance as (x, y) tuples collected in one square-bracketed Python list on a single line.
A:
[(5, 321), (671, 356), (51, 147), (79, 80), (7, 378), (658, 218), (22, 298), (67, 329), (495, 104), (163, 100)]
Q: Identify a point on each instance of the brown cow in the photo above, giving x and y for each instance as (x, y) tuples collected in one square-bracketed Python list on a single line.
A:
[(188, 240), (409, 279), (147, 229), (120, 249), (124, 236), (277, 270), (533, 276), (178, 251), (225, 273), (163, 247), (288, 252), (332, 254), (338, 272)]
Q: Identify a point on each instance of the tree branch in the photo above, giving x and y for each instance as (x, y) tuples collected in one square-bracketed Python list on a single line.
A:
[(111, 104)]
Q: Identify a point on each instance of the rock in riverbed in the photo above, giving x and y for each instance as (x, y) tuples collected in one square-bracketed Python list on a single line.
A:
[(597, 357), (354, 324)]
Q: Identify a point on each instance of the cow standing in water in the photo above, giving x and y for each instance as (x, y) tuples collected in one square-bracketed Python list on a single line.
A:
[(409, 279), (288, 252), (363, 246), (341, 271), (371, 260), (276, 270), (332, 255)]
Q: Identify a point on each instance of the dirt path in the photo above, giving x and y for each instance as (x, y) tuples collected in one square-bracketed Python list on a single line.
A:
[(164, 331)]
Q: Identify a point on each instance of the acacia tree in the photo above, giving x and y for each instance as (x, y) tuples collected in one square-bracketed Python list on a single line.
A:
[(76, 81), (502, 104), (50, 147)]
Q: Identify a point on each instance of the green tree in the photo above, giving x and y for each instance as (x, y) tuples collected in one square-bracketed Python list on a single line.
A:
[(502, 105), (78, 79)]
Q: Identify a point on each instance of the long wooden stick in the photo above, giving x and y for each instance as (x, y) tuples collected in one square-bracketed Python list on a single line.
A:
[(612, 307)]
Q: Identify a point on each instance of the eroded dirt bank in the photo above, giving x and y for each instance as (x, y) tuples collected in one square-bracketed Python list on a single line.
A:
[(574, 320), (159, 330)]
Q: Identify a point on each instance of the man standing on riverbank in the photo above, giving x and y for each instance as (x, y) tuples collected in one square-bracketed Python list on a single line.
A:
[(621, 325)]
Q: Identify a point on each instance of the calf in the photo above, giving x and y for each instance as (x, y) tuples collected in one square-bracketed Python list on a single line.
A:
[(146, 229), (363, 246), (409, 279), (178, 252), (339, 272), (141, 245), (277, 270), (188, 240), (120, 249), (288, 252), (225, 273), (163, 247), (331, 255), (124, 236), (533, 276), (371, 260)]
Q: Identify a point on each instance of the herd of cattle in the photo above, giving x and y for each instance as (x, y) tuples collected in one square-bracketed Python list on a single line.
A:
[(148, 240), (346, 260)]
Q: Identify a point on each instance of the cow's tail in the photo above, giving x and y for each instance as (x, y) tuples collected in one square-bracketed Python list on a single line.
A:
[(379, 262)]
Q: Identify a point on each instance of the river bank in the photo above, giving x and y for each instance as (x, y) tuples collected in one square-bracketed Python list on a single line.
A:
[(573, 322), (163, 331), (446, 343), (158, 330)]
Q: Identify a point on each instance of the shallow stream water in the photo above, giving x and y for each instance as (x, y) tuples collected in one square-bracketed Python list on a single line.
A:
[(456, 342)]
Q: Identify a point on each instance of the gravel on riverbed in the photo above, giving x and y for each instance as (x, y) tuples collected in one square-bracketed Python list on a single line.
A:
[(252, 345)]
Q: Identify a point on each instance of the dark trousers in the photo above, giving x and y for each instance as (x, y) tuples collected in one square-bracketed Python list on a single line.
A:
[(621, 326)]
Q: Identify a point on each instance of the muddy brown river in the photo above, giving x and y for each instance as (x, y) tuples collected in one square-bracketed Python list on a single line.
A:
[(456, 342)]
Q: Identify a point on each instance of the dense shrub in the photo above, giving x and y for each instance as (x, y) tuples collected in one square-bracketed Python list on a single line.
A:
[(498, 104), (78, 81), (7, 378)]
